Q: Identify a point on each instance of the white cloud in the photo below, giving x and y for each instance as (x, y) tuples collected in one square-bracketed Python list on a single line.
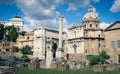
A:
[(78, 14), (42, 12), (104, 25), (51, 23), (116, 6), (75, 4)]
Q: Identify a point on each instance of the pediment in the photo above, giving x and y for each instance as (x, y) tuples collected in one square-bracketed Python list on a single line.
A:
[(115, 25)]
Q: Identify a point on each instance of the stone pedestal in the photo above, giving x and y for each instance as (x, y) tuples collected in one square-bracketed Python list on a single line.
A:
[(59, 53), (49, 59)]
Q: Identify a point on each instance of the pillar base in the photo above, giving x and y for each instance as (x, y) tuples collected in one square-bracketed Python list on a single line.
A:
[(60, 49), (59, 53)]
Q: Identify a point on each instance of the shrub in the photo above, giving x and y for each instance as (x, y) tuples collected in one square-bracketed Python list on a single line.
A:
[(1, 59), (104, 55), (26, 50), (25, 58), (95, 59)]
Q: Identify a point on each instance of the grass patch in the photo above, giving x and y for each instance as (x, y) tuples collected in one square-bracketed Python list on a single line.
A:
[(50, 71)]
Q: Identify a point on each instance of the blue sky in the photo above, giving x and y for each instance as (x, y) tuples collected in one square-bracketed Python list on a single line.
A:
[(36, 13)]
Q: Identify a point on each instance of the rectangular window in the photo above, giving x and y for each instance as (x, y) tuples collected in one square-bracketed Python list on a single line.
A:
[(112, 44), (118, 43), (90, 25)]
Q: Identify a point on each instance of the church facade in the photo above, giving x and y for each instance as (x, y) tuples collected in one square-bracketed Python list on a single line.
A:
[(86, 39)]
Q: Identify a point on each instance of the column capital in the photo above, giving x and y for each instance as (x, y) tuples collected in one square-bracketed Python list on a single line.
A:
[(61, 17)]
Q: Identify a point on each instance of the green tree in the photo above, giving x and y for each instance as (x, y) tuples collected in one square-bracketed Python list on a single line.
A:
[(22, 33), (26, 50), (11, 33), (1, 31)]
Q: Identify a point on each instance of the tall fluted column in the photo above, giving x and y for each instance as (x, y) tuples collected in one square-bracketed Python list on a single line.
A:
[(60, 48), (60, 31)]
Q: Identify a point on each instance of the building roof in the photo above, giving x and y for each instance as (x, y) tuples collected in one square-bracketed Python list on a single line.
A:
[(75, 26), (49, 29), (16, 18), (90, 14), (108, 28), (97, 29), (29, 33)]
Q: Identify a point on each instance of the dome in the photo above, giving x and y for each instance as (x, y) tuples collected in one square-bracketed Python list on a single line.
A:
[(16, 18), (90, 14)]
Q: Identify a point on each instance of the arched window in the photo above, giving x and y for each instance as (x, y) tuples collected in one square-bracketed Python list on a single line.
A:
[(98, 35), (74, 48), (54, 48), (96, 25), (85, 26), (90, 25), (18, 29), (28, 38), (85, 51)]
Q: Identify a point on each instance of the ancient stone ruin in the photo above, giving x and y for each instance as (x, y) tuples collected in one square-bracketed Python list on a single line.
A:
[(60, 64), (105, 67), (34, 64), (6, 70)]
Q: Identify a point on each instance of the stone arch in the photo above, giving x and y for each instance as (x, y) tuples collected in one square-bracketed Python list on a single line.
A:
[(54, 48)]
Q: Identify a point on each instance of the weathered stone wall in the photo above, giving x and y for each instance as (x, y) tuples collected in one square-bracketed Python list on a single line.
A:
[(111, 67), (76, 57), (43, 64), (77, 64), (53, 65), (33, 66), (59, 66), (112, 33), (6, 70), (98, 68), (5, 54), (106, 67)]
